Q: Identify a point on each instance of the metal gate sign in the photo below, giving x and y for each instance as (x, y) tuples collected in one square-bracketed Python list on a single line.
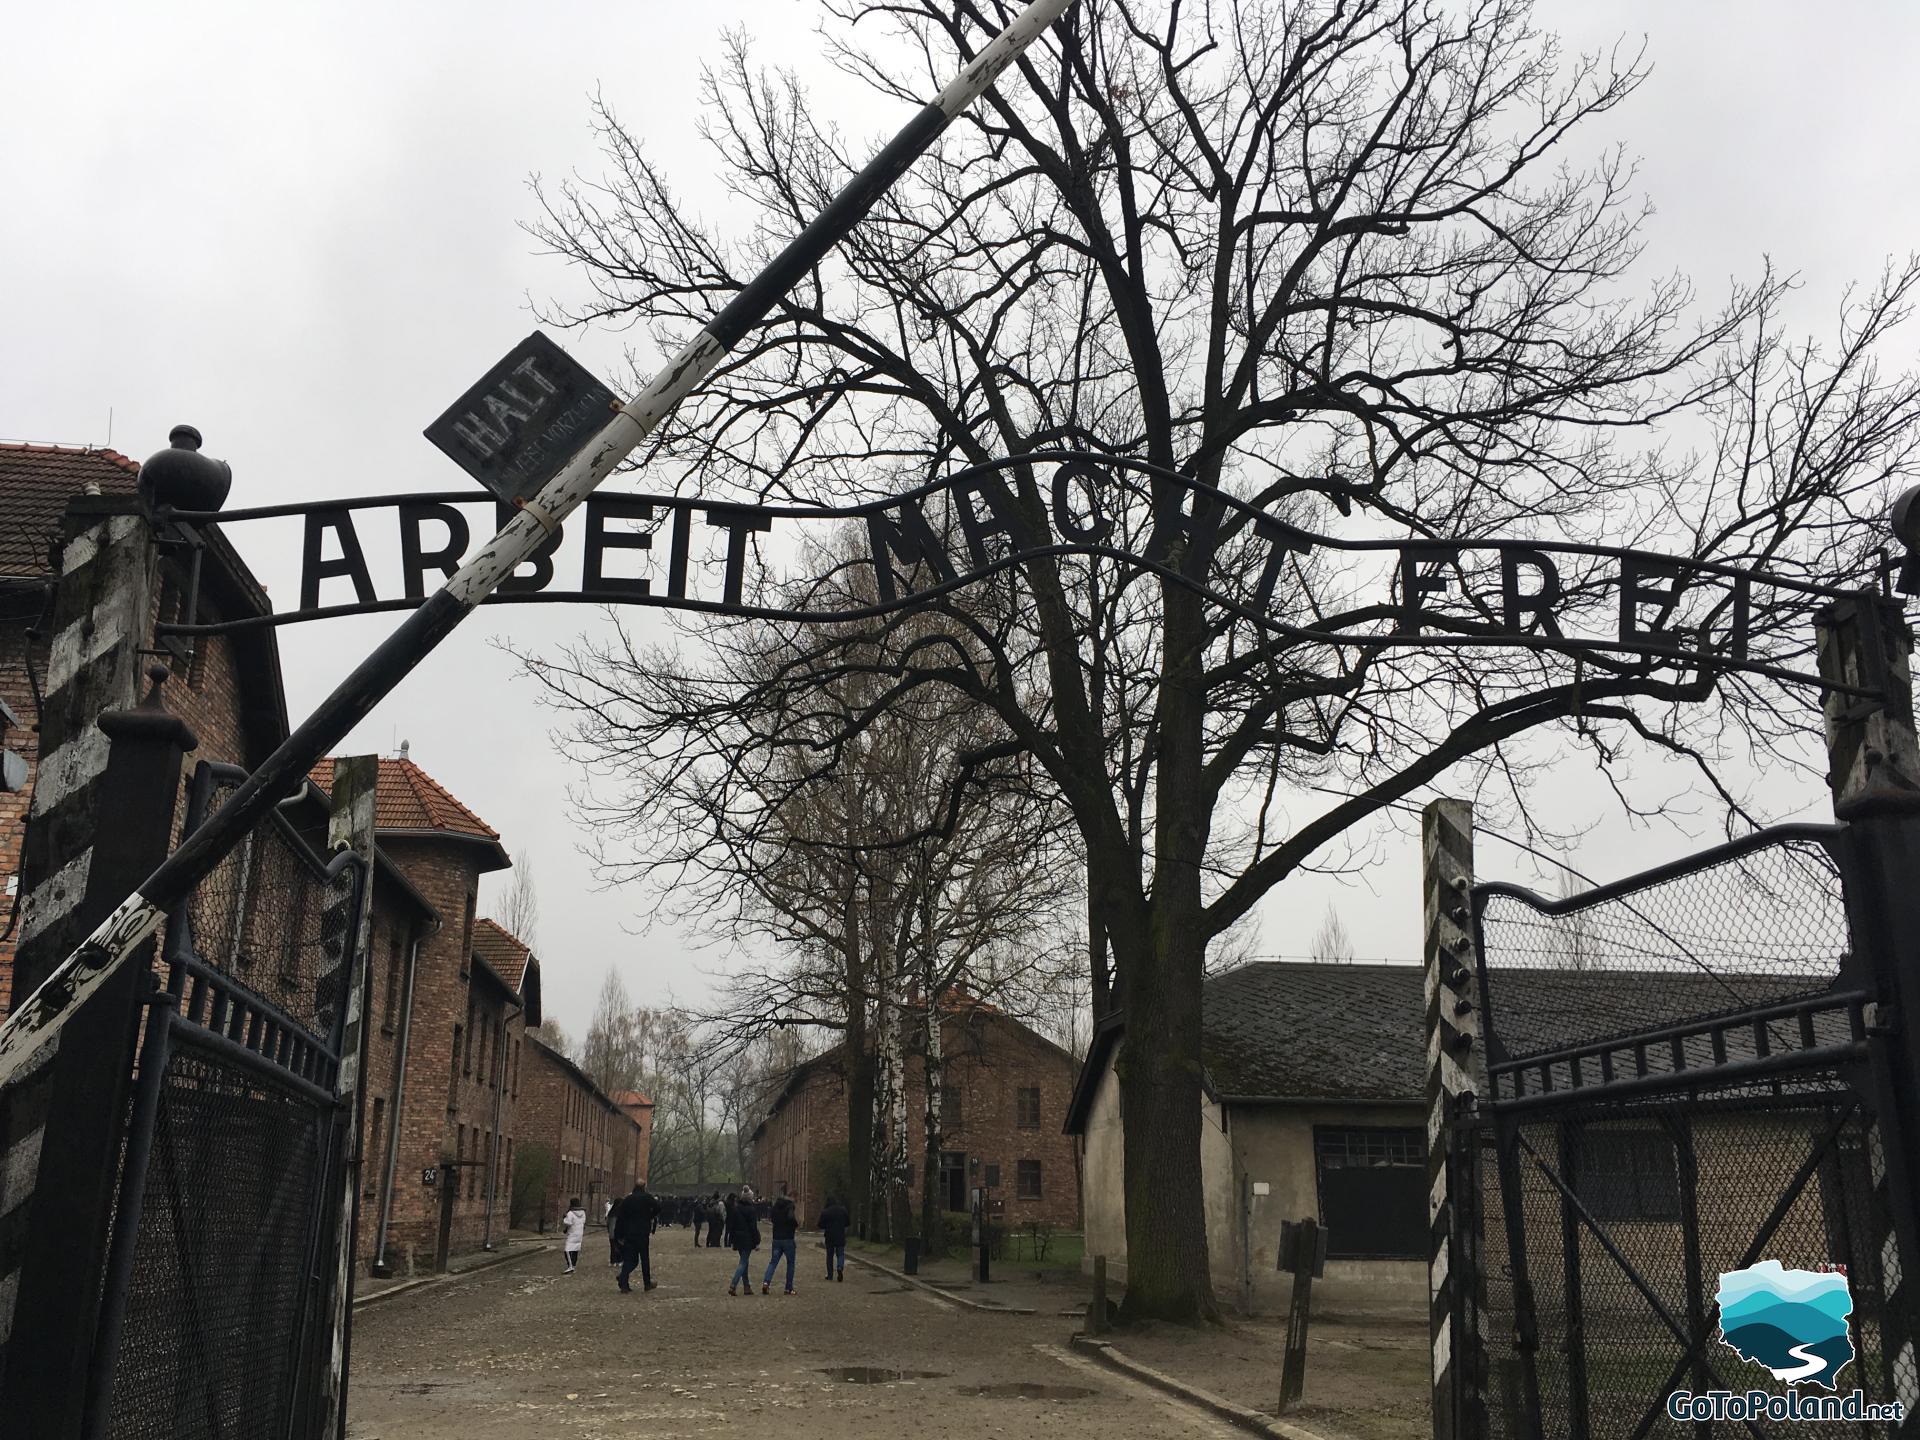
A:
[(526, 418)]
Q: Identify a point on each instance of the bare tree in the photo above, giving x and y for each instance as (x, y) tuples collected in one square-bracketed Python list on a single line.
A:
[(518, 906), (1333, 946), (750, 804), (615, 1051), (556, 1038), (1343, 261)]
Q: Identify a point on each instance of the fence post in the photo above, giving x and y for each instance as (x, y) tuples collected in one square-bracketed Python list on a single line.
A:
[(1874, 773), (349, 827), (63, 1236), (1446, 833)]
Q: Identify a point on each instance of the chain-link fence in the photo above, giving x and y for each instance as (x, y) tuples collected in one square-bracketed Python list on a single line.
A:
[(214, 1295), (1678, 1086)]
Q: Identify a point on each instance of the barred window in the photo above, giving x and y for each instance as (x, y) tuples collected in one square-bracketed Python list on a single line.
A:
[(1627, 1175), (1340, 1148), (1028, 1180), (950, 1112)]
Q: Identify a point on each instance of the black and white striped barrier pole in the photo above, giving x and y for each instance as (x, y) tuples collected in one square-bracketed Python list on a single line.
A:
[(40, 1017), (1446, 833)]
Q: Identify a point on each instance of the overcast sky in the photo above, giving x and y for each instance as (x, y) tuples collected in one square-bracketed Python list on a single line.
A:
[(296, 226)]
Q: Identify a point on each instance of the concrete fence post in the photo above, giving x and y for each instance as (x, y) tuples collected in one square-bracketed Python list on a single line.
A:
[(1452, 1032), (1874, 773)]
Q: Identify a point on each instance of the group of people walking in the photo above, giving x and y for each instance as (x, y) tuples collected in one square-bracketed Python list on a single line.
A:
[(733, 1220)]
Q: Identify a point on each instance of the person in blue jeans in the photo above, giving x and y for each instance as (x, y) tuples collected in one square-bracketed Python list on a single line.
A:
[(786, 1228), (833, 1229), (744, 1231)]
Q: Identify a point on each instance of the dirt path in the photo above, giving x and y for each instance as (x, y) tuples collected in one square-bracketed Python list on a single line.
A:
[(522, 1351)]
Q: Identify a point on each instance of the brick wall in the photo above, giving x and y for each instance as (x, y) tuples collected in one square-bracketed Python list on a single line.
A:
[(448, 1107), (990, 1061), (597, 1148)]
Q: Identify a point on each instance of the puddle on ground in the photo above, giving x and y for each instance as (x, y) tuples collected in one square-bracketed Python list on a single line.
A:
[(1027, 1390), (877, 1374)]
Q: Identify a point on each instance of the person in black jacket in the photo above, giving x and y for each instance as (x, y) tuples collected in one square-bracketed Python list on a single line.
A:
[(833, 1229), (743, 1232), (786, 1234), (633, 1230), (613, 1236)]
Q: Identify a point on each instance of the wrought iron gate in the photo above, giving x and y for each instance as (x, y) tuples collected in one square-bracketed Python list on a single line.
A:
[(1684, 1074), (214, 1315)]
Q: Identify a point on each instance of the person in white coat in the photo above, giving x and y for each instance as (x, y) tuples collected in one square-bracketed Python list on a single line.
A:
[(573, 1225)]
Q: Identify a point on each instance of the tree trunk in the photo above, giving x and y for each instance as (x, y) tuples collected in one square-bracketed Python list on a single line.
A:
[(859, 1073), (933, 1230), (1160, 1065), (1161, 1097)]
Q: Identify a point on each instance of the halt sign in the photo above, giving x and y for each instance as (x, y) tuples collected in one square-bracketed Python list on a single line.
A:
[(527, 417)]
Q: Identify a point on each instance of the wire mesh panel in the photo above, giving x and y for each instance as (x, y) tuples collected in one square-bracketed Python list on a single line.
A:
[(1680, 1139), (1763, 925), (232, 1157), (215, 1306), (1629, 1217)]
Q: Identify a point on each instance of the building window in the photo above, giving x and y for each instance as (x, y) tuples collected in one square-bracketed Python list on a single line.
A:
[(1627, 1175), (951, 1115), (1027, 1107), (1027, 1180), (453, 1081), (466, 936), (992, 1181), (1373, 1191), (395, 945), (371, 1166)]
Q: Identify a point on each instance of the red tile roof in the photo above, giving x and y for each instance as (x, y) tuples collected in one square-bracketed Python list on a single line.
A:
[(407, 798), (502, 951), (36, 482), (627, 1099)]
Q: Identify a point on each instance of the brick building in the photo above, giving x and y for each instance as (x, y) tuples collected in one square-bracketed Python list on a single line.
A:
[(1006, 1092), (85, 577), (638, 1142), (463, 993), (575, 1135), (89, 575)]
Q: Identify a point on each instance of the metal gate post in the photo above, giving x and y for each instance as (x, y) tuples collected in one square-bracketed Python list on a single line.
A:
[(1572, 1299), (1874, 771), (50, 1356), (1446, 831)]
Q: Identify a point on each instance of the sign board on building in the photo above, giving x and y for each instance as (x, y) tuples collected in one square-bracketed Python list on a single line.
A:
[(525, 419), (430, 1176)]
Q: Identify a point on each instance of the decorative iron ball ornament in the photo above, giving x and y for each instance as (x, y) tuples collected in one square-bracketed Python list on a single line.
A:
[(181, 477)]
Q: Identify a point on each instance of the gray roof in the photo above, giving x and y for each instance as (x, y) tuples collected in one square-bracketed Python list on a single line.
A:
[(1290, 1030), (1281, 1030)]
